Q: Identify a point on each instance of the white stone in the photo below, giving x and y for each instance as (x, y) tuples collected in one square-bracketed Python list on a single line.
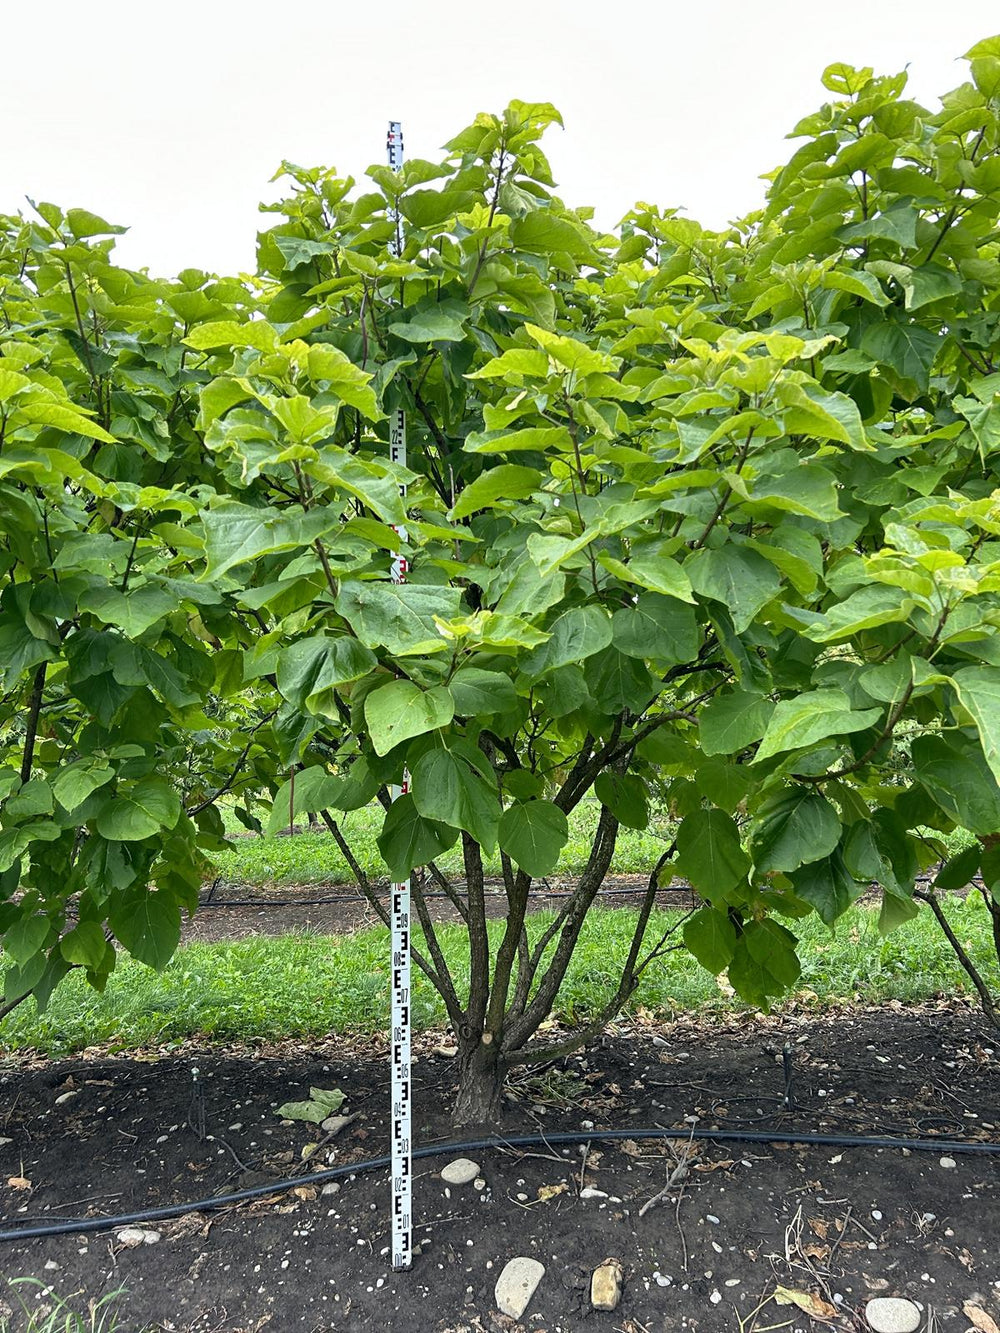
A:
[(517, 1284), (331, 1187), (4, 1141), (892, 1314), (591, 1193), (461, 1171), (131, 1237), (66, 1097), (948, 1161)]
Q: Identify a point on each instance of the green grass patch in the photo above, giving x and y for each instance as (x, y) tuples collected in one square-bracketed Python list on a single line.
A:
[(312, 985), (314, 858)]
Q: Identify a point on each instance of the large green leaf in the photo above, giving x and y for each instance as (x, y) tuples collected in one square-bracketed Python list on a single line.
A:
[(309, 672), (307, 791), (794, 828), (148, 923), (626, 796), (133, 612), (399, 710), (907, 348), (979, 690), (954, 770), (236, 533), (479, 693), (709, 854), (764, 962), (575, 635), (533, 834), (509, 481), (739, 578), (401, 618), (138, 812), (711, 937), (448, 788), (657, 628), (733, 720), (812, 716), (408, 839), (828, 885)]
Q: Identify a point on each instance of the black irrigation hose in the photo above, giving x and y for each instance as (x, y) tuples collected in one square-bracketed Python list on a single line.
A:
[(624, 890), (75, 1227), (436, 893)]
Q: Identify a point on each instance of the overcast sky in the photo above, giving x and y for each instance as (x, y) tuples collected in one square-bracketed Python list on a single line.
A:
[(172, 117)]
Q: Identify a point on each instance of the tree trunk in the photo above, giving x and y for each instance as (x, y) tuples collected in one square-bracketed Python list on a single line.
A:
[(480, 1086)]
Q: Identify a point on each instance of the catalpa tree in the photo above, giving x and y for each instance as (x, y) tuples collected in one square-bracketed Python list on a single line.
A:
[(710, 515)]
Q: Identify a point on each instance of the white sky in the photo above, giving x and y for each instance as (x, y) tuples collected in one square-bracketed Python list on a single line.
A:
[(171, 117)]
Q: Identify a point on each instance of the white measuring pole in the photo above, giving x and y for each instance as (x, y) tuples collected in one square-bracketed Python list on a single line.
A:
[(402, 1115)]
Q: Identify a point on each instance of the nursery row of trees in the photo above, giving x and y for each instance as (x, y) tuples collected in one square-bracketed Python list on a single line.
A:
[(706, 519)]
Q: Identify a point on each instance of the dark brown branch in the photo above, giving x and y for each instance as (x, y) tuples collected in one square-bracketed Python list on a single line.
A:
[(31, 733), (986, 999)]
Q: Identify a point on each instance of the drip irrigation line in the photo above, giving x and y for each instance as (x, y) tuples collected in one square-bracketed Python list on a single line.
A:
[(556, 1139), (623, 891), (435, 893)]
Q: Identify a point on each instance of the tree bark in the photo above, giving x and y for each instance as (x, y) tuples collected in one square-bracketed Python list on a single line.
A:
[(480, 1085)]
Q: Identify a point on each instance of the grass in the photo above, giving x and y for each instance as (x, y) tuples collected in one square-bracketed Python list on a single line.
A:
[(313, 858), (55, 1315), (312, 985)]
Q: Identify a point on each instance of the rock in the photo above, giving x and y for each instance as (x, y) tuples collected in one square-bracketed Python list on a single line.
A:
[(460, 1172), (948, 1161), (479, 1184), (331, 1187), (131, 1237), (892, 1314), (66, 1097), (517, 1284), (4, 1141), (606, 1285), (51, 1266), (333, 1124), (591, 1193)]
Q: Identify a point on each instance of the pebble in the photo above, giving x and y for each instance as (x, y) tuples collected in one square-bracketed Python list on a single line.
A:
[(331, 1187), (948, 1161), (4, 1141), (517, 1284), (715, 1297), (130, 1237), (66, 1097), (662, 1280), (461, 1171), (333, 1124), (51, 1266), (479, 1184), (892, 1314), (710, 1217), (606, 1285), (591, 1193)]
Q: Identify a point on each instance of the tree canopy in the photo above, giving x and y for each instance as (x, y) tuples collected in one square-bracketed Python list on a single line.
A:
[(703, 518)]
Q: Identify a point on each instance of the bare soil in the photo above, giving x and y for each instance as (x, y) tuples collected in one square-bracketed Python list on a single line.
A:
[(835, 1225)]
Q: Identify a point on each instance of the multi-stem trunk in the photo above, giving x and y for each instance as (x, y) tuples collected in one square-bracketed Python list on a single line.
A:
[(480, 1085)]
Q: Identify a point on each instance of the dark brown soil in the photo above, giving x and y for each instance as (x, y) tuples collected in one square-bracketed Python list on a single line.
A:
[(837, 1225)]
